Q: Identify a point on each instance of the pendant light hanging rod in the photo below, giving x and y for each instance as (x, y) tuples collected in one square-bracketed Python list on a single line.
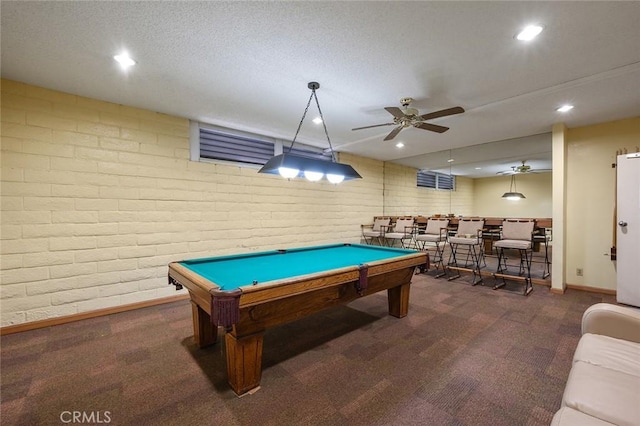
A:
[(304, 114), (313, 86), (513, 193)]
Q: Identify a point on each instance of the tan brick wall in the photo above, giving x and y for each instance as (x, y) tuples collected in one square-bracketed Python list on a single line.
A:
[(97, 199), (402, 196)]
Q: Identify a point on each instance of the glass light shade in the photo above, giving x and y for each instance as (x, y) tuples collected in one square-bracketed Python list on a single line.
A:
[(513, 196), (287, 172), (334, 178), (313, 176)]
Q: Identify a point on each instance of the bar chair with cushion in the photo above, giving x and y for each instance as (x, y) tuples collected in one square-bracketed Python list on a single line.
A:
[(402, 231), (467, 242), (435, 233), (515, 235), (375, 232)]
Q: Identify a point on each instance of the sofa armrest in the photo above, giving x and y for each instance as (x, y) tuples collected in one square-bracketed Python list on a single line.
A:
[(616, 321)]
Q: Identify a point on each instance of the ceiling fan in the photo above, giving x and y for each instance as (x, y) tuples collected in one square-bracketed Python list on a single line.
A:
[(408, 116), (524, 168)]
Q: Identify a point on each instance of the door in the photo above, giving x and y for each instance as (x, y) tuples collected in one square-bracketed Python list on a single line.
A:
[(628, 229)]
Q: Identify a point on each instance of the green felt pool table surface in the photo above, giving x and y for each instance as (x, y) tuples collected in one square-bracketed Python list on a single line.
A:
[(234, 271)]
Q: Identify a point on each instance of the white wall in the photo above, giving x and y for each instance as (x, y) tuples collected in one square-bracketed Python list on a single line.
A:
[(590, 194)]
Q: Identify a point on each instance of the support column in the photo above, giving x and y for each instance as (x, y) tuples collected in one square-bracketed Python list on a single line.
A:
[(559, 211)]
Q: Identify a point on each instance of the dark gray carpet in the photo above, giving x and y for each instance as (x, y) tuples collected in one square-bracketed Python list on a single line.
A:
[(463, 356)]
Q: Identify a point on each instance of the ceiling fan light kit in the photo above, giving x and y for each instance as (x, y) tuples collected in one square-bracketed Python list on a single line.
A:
[(407, 117), (291, 166)]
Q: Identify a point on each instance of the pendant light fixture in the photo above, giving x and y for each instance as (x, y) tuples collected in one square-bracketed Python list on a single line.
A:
[(291, 166), (513, 193)]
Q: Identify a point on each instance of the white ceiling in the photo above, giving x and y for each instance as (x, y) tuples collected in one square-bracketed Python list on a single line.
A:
[(246, 65)]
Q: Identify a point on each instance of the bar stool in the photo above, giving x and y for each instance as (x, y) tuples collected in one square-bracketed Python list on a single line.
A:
[(467, 242), (436, 233), (402, 230), (516, 235), (371, 233)]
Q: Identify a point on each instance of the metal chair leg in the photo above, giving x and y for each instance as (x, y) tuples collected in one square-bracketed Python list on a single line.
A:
[(524, 272), (547, 264), (454, 263), (438, 260), (500, 271), (528, 257), (475, 257)]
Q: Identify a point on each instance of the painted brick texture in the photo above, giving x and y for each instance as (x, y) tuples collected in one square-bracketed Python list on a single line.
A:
[(97, 199)]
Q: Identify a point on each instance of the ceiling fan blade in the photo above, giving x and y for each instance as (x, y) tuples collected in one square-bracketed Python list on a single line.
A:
[(375, 125), (442, 113), (393, 133), (395, 111), (432, 127)]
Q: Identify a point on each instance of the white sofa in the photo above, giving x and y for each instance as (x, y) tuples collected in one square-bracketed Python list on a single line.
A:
[(603, 387)]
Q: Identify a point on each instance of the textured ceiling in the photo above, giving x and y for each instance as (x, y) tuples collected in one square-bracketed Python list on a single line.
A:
[(246, 65)]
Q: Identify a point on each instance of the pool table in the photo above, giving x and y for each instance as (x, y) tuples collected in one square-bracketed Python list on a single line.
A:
[(247, 293)]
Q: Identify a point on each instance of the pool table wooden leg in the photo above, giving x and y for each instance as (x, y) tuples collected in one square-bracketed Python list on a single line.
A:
[(244, 361), (204, 333), (399, 300)]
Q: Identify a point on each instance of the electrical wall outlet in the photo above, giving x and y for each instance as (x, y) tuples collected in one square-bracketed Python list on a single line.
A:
[(579, 272)]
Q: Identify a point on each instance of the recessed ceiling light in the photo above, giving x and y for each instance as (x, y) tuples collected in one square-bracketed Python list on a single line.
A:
[(399, 145), (450, 160), (565, 108), (478, 168), (317, 120), (529, 33), (124, 60)]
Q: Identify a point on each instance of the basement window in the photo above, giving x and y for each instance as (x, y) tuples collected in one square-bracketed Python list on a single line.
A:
[(213, 143), (436, 180), (308, 151), (235, 147), (219, 144)]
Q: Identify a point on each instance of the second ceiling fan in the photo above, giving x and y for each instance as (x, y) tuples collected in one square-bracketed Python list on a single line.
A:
[(524, 168), (408, 116)]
